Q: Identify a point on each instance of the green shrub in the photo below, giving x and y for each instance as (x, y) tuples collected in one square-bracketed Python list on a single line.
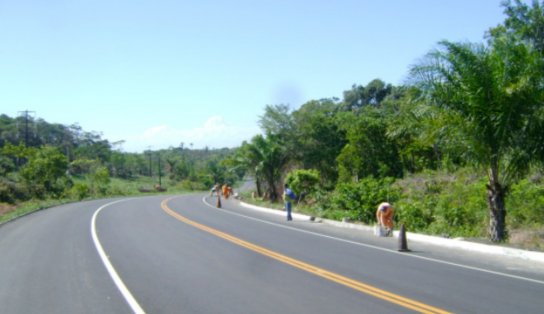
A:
[(80, 191), (45, 172), (11, 192), (188, 185), (100, 180), (461, 210), (449, 204), (525, 204), (304, 182), (82, 166), (359, 200), (414, 216)]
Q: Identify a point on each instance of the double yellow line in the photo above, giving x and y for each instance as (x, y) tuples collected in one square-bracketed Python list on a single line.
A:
[(342, 280)]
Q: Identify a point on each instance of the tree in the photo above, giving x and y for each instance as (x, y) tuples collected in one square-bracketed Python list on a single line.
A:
[(371, 94), (524, 22), (318, 138), (303, 182), (277, 120), (418, 131), (45, 172), (266, 158), (496, 94), (369, 151), (275, 150)]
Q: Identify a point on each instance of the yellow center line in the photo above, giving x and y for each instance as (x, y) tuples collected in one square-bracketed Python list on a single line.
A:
[(342, 280)]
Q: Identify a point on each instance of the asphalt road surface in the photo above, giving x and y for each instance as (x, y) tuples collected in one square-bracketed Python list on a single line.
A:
[(181, 254)]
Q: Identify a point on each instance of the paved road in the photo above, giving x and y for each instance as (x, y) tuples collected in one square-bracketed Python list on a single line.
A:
[(179, 255)]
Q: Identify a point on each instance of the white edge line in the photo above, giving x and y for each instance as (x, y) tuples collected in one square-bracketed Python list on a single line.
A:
[(377, 247), (129, 298)]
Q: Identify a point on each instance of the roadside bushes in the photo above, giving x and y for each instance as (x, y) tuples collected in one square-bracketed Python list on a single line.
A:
[(525, 203), (358, 201), (79, 191), (45, 173), (450, 205), (304, 182), (11, 192)]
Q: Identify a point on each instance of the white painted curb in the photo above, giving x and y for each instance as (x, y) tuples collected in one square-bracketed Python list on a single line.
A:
[(452, 243)]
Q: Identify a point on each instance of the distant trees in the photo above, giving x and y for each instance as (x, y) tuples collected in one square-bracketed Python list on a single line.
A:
[(466, 104), (53, 160)]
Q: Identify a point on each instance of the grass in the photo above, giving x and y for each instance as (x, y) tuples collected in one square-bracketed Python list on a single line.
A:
[(420, 187), (10, 212), (116, 187)]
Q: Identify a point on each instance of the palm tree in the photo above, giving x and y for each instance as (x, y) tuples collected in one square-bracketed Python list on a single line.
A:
[(265, 158), (494, 94)]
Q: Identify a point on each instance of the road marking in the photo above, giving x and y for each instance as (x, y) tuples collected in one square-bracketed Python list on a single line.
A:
[(129, 298), (342, 280), (429, 259)]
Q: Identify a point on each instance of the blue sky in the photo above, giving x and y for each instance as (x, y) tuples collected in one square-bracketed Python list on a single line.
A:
[(158, 73)]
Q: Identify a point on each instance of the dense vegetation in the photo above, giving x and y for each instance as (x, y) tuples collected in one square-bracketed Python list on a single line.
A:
[(471, 115), (40, 160), (456, 148)]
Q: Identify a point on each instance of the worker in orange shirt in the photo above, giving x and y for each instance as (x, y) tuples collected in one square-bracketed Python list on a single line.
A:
[(226, 191), (384, 216)]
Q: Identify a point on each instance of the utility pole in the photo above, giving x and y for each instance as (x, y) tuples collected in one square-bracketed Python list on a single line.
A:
[(26, 114), (160, 183), (150, 156), (150, 169)]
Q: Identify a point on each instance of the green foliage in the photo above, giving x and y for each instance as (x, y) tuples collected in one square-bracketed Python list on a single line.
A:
[(6, 165), (370, 95), (414, 215), (318, 138), (277, 120), (443, 204), (523, 21), (188, 185), (369, 151), (79, 191), (267, 157), (470, 104), (10, 191), (495, 93), (360, 200), (461, 211), (99, 180), (303, 182), (526, 203), (82, 166), (45, 172), (19, 151)]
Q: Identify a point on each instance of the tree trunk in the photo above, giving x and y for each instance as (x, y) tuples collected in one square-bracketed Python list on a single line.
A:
[(497, 212), (258, 185), (272, 190)]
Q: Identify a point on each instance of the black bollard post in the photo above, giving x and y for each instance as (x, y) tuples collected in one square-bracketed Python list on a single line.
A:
[(403, 243), (218, 200)]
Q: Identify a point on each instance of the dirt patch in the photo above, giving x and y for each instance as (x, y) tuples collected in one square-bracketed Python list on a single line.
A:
[(6, 208), (529, 239)]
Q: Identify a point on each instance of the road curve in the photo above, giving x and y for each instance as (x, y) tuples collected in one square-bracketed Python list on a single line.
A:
[(181, 254)]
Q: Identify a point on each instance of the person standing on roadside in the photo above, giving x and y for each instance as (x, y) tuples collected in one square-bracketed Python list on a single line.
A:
[(288, 196), (214, 189)]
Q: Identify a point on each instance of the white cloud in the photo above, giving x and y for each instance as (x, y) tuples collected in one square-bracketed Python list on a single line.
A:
[(215, 132)]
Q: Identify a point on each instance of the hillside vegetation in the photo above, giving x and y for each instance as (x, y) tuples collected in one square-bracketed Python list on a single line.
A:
[(458, 149)]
